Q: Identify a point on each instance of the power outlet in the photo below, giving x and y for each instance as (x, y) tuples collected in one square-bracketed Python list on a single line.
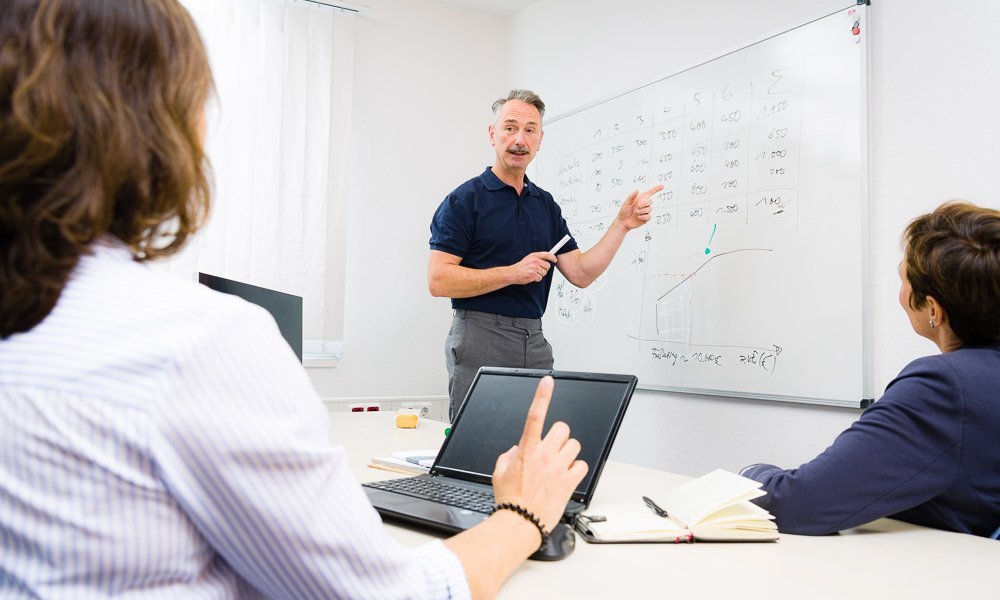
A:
[(417, 408)]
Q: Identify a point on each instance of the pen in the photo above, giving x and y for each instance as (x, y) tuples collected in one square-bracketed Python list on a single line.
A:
[(655, 508), (559, 244)]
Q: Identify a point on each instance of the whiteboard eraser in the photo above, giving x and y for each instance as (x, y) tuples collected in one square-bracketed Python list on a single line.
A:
[(407, 420)]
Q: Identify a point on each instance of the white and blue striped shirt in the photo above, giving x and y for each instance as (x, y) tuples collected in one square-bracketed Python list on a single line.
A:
[(159, 439)]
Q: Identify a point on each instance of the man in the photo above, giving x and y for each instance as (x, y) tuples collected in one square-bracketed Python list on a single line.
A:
[(489, 252)]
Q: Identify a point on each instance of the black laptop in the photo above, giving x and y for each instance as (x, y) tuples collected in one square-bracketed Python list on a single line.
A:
[(457, 494)]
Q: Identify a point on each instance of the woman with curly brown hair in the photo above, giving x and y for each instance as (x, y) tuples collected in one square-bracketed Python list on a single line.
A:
[(158, 438), (99, 135), (927, 451)]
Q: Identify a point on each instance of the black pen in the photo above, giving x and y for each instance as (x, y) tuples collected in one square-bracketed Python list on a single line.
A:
[(655, 508)]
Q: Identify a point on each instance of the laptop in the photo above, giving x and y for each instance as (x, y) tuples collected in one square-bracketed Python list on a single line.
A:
[(456, 494)]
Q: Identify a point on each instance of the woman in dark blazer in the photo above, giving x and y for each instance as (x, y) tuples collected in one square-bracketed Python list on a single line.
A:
[(928, 452)]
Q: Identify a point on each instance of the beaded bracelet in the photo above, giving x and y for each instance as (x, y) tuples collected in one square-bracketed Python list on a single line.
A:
[(527, 514)]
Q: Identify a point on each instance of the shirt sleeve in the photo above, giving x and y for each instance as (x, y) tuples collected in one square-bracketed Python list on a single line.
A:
[(452, 227), (901, 453), (243, 445), (571, 244)]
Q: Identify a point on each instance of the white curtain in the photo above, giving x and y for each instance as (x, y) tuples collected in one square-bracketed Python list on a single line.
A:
[(279, 130)]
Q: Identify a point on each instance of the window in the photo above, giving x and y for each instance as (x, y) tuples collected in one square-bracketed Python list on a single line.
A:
[(278, 134)]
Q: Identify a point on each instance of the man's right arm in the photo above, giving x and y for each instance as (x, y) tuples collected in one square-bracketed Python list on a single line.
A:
[(446, 277)]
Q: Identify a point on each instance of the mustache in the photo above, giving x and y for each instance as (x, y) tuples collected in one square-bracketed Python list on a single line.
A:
[(518, 149)]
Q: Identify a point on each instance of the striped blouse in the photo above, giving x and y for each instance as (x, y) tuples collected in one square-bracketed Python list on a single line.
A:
[(159, 439)]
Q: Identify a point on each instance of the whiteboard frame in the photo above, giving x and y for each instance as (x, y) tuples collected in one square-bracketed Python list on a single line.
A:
[(865, 155)]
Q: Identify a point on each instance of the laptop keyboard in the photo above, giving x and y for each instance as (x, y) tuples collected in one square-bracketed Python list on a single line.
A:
[(424, 486)]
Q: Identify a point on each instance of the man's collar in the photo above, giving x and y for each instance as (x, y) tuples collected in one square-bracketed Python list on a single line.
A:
[(494, 184)]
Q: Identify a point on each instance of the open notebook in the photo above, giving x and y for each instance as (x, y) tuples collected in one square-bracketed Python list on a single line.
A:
[(488, 423), (712, 508)]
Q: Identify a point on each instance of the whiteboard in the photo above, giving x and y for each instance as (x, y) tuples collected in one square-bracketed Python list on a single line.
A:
[(751, 277)]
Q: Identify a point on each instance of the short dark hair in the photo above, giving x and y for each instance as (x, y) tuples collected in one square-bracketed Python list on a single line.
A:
[(953, 254), (524, 96), (100, 108)]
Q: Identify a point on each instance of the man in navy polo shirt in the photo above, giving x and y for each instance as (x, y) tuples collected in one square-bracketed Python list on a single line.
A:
[(490, 242)]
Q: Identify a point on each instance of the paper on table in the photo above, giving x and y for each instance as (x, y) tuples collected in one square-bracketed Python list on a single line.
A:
[(424, 458), (391, 463)]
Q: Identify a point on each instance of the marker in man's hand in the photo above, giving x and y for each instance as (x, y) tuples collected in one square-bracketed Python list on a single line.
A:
[(559, 244)]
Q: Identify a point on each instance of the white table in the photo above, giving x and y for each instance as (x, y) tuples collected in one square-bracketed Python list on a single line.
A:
[(885, 559)]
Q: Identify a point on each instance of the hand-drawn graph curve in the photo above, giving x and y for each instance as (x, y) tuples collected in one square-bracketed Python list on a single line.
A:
[(672, 302), (749, 278)]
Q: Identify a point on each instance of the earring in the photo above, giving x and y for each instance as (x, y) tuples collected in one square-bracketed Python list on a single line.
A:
[(932, 323)]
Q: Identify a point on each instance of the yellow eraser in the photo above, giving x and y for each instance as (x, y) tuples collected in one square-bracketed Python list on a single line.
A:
[(407, 420)]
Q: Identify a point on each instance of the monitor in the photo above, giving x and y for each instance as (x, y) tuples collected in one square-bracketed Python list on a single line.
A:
[(285, 308)]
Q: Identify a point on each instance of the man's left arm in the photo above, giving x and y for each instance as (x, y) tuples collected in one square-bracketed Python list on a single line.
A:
[(582, 268)]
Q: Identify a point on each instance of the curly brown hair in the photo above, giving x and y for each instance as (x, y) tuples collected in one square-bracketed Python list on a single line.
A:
[(953, 255), (101, 105)]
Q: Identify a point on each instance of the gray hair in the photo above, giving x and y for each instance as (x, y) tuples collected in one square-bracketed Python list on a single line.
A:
[(524, 96)]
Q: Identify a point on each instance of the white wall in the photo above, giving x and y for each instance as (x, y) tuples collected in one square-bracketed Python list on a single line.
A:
[(426, 74), (425, 77), (935, 98)]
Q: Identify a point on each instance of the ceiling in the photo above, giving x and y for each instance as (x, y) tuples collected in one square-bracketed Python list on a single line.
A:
[(501, 8)]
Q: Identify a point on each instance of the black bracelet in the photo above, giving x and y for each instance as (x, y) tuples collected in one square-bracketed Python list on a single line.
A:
[(527, 514)]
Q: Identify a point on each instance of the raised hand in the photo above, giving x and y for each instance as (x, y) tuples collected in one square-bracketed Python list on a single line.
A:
[(539, 473), (637, 208)]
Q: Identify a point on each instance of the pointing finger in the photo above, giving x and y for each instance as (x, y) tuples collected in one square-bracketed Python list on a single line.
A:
[(656, 188), (532, 434)]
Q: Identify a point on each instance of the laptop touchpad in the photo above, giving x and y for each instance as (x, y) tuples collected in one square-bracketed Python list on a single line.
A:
[(388, 500)]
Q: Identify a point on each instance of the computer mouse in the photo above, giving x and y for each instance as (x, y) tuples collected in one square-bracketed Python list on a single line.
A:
[(560, 544)]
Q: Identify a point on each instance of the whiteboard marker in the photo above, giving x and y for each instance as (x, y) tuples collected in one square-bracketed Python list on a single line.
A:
[(559, 244)]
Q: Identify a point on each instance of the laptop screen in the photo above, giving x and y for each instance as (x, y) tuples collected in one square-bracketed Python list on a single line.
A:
[(492, 418)]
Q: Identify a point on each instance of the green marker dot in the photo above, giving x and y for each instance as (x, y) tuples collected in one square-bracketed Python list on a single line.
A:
[(708, 251), (447, 431)]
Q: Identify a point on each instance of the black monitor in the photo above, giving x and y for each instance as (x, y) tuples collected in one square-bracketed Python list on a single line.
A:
[(285, 308)]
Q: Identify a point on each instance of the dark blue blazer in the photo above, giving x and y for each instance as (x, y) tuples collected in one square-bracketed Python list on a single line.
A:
[(928, 452)]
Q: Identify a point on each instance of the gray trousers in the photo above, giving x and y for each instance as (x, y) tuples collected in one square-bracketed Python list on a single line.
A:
[(480, 339)]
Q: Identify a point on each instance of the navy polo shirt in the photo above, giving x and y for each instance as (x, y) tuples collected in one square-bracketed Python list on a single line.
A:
[(488, 225)]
